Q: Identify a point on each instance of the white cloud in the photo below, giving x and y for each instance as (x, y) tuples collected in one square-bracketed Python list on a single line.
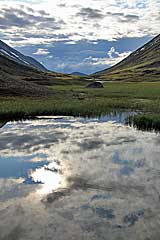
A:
[(93, 63), (85, 20), (114, 58), (71, 43), (111, 52), (41, 51)]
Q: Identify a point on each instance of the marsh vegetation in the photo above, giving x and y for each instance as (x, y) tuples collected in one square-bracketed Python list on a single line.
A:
[(77, 100)]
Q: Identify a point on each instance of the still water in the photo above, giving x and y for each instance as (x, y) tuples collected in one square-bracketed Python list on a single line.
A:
[(66, 178)]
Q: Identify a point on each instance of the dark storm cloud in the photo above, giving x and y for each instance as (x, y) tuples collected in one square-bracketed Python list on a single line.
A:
[(90, 13), (12, 17)]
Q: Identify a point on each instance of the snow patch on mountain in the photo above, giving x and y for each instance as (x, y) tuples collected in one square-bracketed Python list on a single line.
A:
[(16, 56)]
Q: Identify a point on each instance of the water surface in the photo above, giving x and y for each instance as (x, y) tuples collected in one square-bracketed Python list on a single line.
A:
[(74, 178)]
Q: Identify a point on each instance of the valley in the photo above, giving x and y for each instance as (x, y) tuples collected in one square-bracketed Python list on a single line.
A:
[(131, 85), (79, 120)]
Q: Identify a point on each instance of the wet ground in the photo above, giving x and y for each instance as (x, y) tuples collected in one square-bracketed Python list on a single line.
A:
[(71, 178)]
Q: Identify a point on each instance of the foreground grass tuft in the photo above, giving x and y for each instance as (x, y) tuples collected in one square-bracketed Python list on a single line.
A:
[(145, 122)]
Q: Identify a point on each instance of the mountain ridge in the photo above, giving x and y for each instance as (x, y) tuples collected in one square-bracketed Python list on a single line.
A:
[(17, 78), (18, 57), (142, 63), (79, 74)]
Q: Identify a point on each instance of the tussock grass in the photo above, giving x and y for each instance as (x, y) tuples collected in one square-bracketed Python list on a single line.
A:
[(145, 122)]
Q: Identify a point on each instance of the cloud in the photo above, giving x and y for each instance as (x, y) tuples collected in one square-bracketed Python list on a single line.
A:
[(62, 5), (108, 20), (41, 51), (123, 17), (90, 13), (111, 52), (10, 19), (91, 63), (130, 18), (114, 58), (104, 62), (27, 19)]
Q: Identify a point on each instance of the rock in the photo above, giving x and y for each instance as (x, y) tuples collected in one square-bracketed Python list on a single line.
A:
[(95, 85)]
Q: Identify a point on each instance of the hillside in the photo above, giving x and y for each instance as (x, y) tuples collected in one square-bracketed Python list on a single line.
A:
[(18, 57), (12, 81), (20, 79), (141, 65), (79, 74)]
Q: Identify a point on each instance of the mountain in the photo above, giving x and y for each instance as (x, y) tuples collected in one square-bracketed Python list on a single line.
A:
[(141, 65), (78, 74), (23, 88), (18, 57), (22, 79), (14, 79)]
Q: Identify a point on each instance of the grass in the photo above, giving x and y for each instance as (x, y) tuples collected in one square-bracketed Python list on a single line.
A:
[(18, 108), (76, 100), (136, 73), (145, 122), (148, 90)]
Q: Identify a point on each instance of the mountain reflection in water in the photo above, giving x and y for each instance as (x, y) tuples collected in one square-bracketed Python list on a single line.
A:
[(78, 179)]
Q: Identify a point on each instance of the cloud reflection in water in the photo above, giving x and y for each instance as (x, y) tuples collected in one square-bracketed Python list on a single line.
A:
[(50, 177), (102, 177)]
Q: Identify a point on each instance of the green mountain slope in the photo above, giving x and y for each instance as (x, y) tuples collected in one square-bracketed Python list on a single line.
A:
[(141, 65)]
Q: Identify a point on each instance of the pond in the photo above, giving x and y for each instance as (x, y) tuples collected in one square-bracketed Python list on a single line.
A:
[(74, 178)]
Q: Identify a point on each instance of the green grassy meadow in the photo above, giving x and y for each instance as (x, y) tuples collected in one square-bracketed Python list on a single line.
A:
[(77, 100)]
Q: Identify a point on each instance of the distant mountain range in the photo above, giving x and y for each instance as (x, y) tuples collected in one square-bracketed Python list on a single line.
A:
[(18, 57), (141, 65), (78, 74)]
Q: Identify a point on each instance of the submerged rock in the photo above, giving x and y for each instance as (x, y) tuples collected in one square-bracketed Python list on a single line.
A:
[(95, 85)]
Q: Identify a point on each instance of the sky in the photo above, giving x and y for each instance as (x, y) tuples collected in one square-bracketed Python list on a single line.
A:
[(78, 36)]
